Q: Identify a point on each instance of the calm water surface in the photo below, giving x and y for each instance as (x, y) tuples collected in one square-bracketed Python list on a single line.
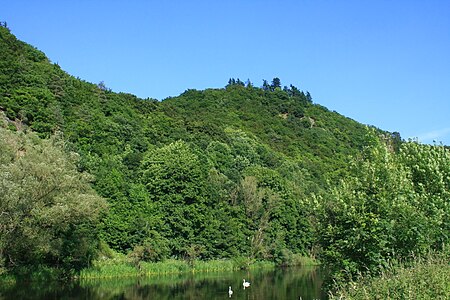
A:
[(290, 283)]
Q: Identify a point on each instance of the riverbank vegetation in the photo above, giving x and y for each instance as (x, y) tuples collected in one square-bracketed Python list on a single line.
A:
[(49, 212), (389, 206), (426, 277), (229, 176), (121, 265)]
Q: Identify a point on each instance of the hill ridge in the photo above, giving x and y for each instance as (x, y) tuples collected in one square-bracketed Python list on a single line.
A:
[(196, 168)]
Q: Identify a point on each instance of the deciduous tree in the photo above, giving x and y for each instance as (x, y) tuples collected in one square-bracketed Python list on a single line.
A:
[(48, 211)]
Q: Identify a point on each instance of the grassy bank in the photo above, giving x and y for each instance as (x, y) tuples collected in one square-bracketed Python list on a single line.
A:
[(120, 266), (424, 278), (123, 268), (117, 265)]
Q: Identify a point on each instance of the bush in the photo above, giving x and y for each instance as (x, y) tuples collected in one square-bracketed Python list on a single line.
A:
[(242, 263), (425, 278), (49, 211), (381, 210), (152, 250)]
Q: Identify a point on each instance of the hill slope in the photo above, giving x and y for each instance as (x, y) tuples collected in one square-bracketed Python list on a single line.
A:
[(214, 173)]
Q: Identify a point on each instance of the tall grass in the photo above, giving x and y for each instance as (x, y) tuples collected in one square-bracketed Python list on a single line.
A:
[(123, 268), (120, 266), (117, 265), (301, 260), (425, 278)]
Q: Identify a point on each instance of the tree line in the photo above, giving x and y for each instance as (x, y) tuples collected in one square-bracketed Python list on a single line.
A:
[(236, 172)]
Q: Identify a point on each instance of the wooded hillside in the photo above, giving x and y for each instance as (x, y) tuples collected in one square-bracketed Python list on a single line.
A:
[(239, 171)]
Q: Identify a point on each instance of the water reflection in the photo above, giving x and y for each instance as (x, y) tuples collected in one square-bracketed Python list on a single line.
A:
[(290, 283)]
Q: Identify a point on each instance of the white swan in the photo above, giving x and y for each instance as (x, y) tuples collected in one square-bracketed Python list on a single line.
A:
[(230, 292), (245, 283)]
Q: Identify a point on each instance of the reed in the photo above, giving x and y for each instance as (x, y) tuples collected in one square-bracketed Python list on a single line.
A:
[(424, 278), (213, 266), (101, 270), (114, 265), (302, 260), (121, 267)]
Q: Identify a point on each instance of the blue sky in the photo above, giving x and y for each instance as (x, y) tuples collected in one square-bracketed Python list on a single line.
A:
[(383, 63)]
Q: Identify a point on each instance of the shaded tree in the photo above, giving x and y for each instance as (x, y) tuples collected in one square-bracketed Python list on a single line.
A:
[(276, 84), (266, 85)]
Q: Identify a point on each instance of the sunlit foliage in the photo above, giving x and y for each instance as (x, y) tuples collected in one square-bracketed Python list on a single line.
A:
[(241, 172), (49, 212)]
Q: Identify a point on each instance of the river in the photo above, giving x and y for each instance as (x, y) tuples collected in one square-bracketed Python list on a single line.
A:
[(289, 283)]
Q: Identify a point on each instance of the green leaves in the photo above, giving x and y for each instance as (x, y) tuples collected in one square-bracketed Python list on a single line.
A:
[(214, 173), (175, 179), (381, 210), (175, 173), (49, 212)]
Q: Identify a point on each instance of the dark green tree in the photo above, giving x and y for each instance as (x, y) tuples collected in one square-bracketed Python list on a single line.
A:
[(276, 84), (175, 179)]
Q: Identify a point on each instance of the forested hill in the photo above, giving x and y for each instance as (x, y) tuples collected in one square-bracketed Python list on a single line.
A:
[(283, 122), (42, 96), (216, 173)]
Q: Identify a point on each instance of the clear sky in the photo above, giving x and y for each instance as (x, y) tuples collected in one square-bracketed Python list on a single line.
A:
[(383, 63)]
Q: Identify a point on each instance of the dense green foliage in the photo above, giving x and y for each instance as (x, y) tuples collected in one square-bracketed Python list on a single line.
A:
[(390, 206), (426, 277), (49, 212), (237, 172)]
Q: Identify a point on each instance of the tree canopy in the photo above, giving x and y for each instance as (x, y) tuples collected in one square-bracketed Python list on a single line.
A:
[(49, 212), (240, 171)]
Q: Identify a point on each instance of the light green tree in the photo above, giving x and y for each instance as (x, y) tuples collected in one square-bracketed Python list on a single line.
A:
[(258, 203), (48, 211), (389, 206)]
